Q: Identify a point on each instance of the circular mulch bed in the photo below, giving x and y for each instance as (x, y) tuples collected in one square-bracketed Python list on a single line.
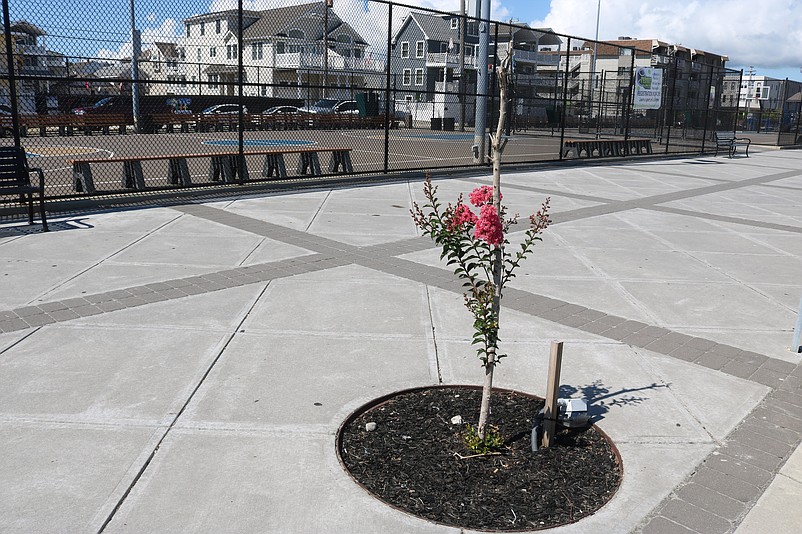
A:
[(416, 460)]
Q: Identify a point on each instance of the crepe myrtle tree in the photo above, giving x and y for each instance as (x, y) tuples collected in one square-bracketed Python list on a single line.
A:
[(476, 245)]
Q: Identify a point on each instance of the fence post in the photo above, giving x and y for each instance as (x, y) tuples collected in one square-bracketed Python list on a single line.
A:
[(563, 112), (387, 90), (12, 75)]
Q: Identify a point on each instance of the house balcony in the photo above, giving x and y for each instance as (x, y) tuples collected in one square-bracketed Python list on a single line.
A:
[(310, 60), (446, 87), (31, 50), (535, 79), (530, 56), (448, 59)]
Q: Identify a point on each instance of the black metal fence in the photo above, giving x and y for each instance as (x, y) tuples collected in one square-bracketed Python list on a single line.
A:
[(402, 87)]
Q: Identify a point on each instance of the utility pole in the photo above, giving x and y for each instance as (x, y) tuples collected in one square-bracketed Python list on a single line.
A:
[(463, 22), (137, 49), (481, 82)]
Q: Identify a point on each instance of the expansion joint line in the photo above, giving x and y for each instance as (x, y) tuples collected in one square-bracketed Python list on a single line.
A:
[(180, 412)]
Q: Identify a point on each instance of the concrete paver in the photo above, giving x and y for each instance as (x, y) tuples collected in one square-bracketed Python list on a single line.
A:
[(186, 368)]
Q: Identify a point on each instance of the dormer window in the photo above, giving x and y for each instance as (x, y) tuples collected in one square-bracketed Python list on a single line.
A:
[(454, 23)]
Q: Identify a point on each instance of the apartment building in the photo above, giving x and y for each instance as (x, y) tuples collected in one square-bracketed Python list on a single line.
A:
[(289, 51)]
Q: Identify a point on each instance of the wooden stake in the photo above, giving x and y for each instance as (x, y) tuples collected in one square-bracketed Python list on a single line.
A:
[(552, 389)]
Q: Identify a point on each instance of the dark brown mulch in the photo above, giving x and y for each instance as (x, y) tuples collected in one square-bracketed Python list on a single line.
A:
[(411, 461)]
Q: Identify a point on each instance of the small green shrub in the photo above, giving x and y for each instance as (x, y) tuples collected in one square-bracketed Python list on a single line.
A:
[(491, 442)]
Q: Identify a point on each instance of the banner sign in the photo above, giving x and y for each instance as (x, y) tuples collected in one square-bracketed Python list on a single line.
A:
[(648, 88)]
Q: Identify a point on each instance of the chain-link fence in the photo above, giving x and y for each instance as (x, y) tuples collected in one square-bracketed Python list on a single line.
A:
[(112, 97)]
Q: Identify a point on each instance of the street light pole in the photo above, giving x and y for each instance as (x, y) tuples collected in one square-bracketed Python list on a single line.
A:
[(593, 63), (482, 82), (136, 50)]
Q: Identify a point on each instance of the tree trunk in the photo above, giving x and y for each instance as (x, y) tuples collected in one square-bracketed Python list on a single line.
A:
[(498, 149)]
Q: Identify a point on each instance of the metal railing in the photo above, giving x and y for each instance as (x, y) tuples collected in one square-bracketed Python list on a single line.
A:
[(408, 105)]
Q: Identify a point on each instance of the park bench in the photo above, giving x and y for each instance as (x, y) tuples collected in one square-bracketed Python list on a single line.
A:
[(15, 180), (103, 122), (223, 166), (65, 123), (606, 147), (727, 141), (170, 120)]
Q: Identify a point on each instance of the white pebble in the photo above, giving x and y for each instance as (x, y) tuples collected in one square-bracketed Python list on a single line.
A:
[(370, 427), (456, 420)]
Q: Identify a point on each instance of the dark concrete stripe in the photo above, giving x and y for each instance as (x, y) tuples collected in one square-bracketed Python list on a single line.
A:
[(728, 483), (727, 219)]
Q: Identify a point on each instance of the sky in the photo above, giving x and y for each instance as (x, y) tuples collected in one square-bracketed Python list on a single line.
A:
[(765, 35)]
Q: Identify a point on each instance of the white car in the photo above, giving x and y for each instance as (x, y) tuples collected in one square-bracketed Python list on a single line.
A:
[(224, 109), (329, 105)]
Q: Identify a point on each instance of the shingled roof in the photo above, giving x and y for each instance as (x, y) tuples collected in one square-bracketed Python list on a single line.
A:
[(306, 17)]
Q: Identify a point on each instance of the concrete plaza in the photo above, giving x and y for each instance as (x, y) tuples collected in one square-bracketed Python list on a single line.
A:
[(185, 367)]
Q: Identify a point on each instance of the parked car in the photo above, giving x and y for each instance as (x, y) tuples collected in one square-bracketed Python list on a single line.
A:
[(330, 105), (280, 109), (224, 109), (101, 106)]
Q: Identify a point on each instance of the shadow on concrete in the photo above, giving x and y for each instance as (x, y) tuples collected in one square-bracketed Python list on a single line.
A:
[(600, 398), (57, 226)]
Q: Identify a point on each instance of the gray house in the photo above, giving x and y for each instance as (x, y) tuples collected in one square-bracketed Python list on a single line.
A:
[(430, 78), (426, 56)]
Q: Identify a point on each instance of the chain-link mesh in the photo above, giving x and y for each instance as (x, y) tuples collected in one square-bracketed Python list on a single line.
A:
[(156, 89)]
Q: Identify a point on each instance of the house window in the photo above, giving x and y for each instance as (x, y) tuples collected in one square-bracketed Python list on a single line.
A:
[(473, 28), (454, 24), (231, 51), (404, 48), (199, 54), (418, 76), (419, 49), (217, 26), (407, 98), (203, 28), (407, 77), (264, 90), (257, 51), (357, 53), (280, 47), (188, 32), (212, 51), (214, 79)]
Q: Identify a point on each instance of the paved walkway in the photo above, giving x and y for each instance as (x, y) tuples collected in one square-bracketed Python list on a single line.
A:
[(185, 368)]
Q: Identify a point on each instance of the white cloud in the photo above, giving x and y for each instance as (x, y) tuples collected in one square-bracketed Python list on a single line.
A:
[(166, 32), (766, 33)]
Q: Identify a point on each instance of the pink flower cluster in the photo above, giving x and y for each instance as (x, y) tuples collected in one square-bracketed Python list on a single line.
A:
[(488, 227), (482, 195), (462, 216)]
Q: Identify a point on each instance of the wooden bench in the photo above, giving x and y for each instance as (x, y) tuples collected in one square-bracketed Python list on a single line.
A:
[(15, 179), (606, 147), (103, 122), (65, 122), (727, 141), (169, 120), (223, 166)]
